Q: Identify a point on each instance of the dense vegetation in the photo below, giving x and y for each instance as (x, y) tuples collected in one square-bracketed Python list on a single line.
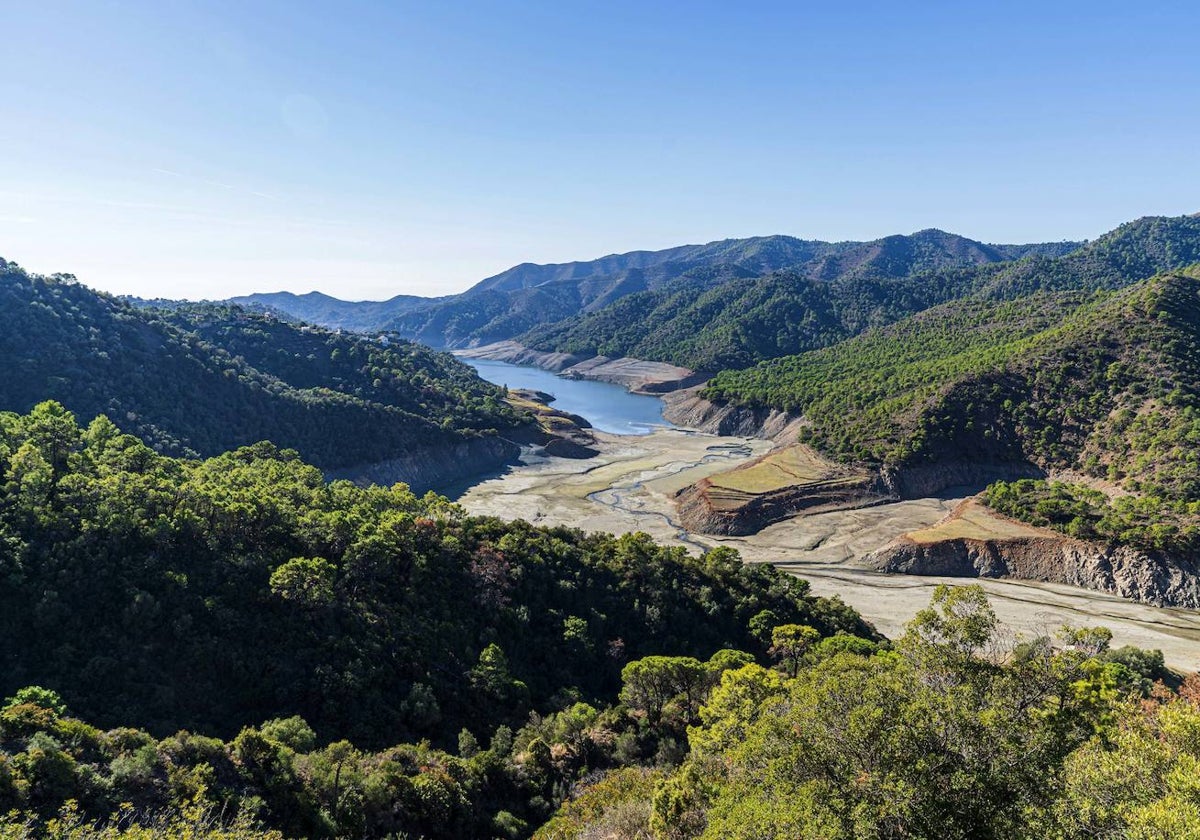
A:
[(955, 732), (306, 658), (553, 302), (202, 379), (731, 304), (208, 595), (1103, 384), (741, 321), (727, 304), (745, 320)]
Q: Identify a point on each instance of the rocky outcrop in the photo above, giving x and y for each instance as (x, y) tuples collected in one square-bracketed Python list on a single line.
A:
[(1150, 578), (519, 354), (702, 508), (559, 433), (636, 375), (687, 408), (437, 466)]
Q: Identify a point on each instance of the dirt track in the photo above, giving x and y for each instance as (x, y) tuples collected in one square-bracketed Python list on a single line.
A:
[(627, 488)]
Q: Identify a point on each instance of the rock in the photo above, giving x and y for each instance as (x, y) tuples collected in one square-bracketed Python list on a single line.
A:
[(1150, 578), (701, 513), (519, 354), (635, 375), (923, 481), (685, 407), (562, 447)]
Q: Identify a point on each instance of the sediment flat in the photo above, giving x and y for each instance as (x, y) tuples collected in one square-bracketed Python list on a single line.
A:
[(629, 485)]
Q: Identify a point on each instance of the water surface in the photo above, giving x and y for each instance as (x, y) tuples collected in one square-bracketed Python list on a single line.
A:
[(609, 408)]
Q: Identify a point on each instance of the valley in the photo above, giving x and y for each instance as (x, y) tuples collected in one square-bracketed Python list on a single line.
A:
[(631, 484), (831, 422), (648, 421)]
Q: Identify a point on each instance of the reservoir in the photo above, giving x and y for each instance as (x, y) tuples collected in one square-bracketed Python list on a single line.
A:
[(609, 408)]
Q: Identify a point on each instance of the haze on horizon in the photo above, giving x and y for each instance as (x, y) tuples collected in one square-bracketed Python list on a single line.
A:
[(203, 149)]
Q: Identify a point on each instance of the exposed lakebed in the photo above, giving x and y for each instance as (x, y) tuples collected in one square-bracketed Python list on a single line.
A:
[(609, 408), (629, 487)]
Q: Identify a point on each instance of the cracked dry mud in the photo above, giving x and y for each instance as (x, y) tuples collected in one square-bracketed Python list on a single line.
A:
[(628, 487)]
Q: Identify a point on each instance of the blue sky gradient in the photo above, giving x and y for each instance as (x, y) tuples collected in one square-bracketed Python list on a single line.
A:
[(368, 149)]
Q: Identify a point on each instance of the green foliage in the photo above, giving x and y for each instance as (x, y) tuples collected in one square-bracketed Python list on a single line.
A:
[(728, 320), (1104, 385), (1140, 779), (712, 319), (790, 643), (305, 581), (199, 595), (950, 736), (618, 805), (204, 378), (35, 695)]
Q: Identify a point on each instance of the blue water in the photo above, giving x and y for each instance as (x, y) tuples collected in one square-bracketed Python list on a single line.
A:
[(609, 408)]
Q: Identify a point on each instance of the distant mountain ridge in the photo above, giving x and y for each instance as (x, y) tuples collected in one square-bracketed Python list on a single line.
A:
[(326, 311), (744, 321), (530, 296)]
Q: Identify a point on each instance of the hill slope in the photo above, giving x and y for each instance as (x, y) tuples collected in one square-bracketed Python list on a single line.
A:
[(326, 311), (203, 379), (743, 321), (531, 296), (1105, 385)]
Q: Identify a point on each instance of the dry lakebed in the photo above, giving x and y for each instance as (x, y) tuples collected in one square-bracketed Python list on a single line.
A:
[(629, 485)]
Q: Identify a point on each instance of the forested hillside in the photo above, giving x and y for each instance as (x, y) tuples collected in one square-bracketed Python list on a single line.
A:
[(956, 731), (539, 297), (747, 320), (737, 323), (1107, 384), (212, 595), (207, 378)]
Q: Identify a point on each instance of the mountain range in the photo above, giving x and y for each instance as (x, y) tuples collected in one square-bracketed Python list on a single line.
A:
[(531, 296)]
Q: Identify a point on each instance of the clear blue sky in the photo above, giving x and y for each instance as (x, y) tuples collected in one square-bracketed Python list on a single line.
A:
[(196, 149)]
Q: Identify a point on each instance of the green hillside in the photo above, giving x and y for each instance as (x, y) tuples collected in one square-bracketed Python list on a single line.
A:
[(743, 321), (954, 733), (737, 323), (549, 299), (1105, 383), (213, 595), (207, 378)]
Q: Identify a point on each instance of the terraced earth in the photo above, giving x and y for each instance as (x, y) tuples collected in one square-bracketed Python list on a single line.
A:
[(783, 483)]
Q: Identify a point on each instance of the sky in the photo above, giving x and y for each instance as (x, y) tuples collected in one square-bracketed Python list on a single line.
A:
[(208, 149)]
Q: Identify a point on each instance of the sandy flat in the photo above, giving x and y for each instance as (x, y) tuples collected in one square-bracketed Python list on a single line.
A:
[(628, 488)]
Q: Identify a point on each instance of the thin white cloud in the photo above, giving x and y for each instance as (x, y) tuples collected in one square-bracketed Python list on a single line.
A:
[(212, 183)]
